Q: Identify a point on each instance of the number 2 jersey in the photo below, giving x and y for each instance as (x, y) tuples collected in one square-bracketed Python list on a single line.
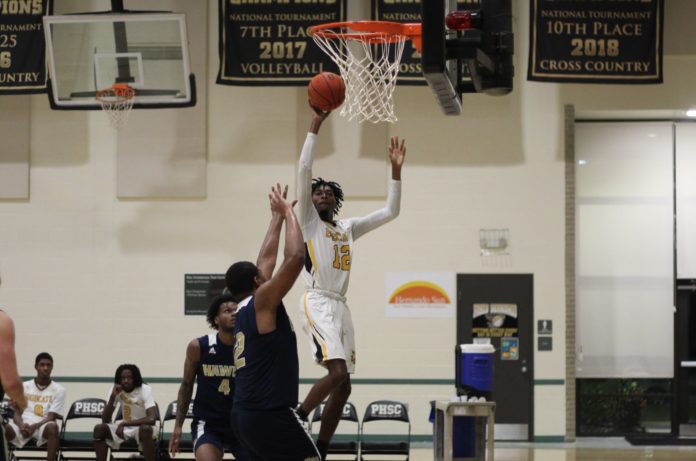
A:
[(215, 379), (329, 247), (41, 402), (268, 370)]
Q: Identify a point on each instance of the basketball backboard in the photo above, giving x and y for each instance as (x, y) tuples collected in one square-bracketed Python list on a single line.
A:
[(91, 52), (477, 58)]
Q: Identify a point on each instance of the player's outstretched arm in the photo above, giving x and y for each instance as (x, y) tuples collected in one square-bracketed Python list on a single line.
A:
[(307, 211), (271, 293), (268, 254), (9, 377), (361, 226), (193, 356), (318, 117)]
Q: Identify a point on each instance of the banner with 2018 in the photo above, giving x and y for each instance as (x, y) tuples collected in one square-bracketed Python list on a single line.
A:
[(601, 41), (267, 43)]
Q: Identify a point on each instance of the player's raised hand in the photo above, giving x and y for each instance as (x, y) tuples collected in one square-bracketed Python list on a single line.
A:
[(397, 154), (397, 151), (318, 117), (279, 200), (284, 196)]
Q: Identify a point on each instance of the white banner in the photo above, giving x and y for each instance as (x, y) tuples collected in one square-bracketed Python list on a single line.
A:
[(420, 294)]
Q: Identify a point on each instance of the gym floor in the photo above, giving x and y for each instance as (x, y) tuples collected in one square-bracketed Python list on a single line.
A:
[(585, 449)]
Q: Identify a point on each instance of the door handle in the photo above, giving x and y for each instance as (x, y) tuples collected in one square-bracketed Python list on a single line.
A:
[(688, 364), (524, 369)]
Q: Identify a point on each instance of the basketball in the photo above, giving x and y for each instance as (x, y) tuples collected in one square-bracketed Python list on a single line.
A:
[(326, 91)]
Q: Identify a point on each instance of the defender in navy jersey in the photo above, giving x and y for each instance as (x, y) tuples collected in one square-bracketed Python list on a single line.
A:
[(9, 378), (210, 363), (265, 350)]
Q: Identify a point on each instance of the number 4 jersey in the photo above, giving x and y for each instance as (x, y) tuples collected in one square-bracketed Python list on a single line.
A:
[(215, 378)]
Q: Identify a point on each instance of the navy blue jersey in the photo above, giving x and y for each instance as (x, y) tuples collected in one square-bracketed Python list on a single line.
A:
[(268, 371), (215, 378)]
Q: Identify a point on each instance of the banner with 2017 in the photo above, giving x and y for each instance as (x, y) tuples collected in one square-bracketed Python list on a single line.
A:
[(267, 43), (601, 41)]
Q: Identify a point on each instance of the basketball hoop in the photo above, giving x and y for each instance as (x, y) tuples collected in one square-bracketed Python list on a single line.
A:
[(117, 102), (368, 54)]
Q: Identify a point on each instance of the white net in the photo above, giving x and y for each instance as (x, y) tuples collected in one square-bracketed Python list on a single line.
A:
[(117, 103), (369, 67)]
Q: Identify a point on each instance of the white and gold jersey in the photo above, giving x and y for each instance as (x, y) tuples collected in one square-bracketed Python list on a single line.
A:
[(41, 402), (330, 246), (329, 253), (135, 403)]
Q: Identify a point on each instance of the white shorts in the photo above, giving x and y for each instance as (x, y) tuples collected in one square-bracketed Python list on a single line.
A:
[(19, 440), (327, 321), (129, 432)]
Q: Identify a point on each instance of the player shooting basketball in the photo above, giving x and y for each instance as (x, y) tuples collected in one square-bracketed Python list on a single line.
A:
[(328, 244)]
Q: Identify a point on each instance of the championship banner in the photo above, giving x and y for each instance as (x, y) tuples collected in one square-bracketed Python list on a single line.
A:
[(410, 69), (22, 46), (601, 41), (266, 43)]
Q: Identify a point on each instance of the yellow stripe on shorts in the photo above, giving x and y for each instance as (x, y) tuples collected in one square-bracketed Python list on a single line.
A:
[(315, 333)]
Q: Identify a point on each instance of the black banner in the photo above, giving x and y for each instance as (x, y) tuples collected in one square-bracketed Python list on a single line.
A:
[(200, 290), (268, 44), (410, 69), (22, 46), (600, 41)]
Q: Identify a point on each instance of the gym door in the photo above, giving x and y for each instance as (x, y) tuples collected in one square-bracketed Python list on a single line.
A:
[(498, 308)]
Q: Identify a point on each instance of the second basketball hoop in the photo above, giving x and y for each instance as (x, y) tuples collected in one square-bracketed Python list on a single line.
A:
[(368, 54)]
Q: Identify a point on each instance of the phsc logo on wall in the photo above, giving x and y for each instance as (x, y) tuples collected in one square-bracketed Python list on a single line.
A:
[(419, 294)]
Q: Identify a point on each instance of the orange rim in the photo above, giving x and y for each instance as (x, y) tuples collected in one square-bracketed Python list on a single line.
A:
[(120, 90), (369, 31)]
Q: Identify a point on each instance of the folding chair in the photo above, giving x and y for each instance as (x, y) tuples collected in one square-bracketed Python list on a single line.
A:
[(80, 412), (186, 443), (382, 416), (345, 443), (129, 447), (28, 451)]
